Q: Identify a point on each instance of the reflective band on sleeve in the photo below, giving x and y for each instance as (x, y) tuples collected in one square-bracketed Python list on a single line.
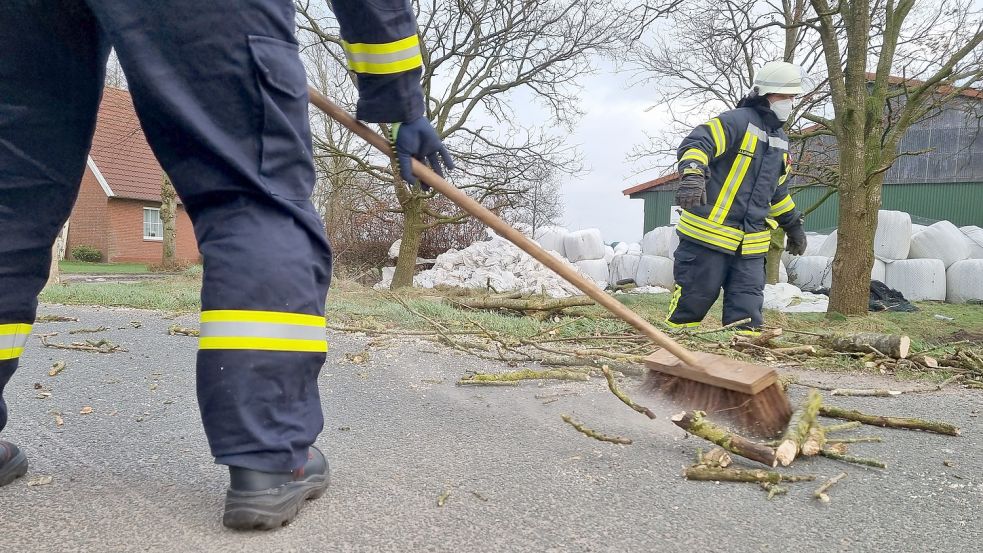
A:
[(783, 206), (382, 59), (735, 177), (697, 155), (262, 330), (13, 338), (719, 137)]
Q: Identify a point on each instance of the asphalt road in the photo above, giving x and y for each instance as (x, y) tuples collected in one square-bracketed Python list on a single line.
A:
[(135, 474)]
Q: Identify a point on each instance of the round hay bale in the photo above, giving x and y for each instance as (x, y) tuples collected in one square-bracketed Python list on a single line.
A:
[(917, 279), (594, 269), (654, 270), (583, 244), (660, 241), (974, 239), (878, 271), (941, 241), (608, 254), (964, 281), (828, 249), (551, 238), (811, 272), (623, 266), (782, 273), (892, 239)]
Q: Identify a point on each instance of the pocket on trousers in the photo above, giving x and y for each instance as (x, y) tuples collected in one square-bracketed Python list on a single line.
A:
[(286, 163)]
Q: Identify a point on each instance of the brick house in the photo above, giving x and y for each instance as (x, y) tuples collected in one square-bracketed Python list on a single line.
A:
[(118, 208)]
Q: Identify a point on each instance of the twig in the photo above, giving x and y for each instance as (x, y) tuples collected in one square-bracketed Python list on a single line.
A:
[(851, 459), (720, 329), (442, 498), (469, 382), (366, 330), (594, 434), (772, 489), (890, 422), (820, 492), (860, 440), (526, 374), (175, 329), (695, 423), (55, 319), (843, 426), (621, 395), (101, 346), (88, 330), (57, 368), (716, 474), (865, 392)]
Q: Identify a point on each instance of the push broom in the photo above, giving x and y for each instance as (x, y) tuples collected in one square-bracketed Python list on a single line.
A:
[(746, 394)]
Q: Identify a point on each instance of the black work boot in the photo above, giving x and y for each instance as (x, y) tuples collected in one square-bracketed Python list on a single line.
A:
[(13, 463), (267, 500)]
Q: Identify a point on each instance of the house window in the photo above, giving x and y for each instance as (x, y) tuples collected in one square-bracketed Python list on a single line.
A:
[(153, 229)]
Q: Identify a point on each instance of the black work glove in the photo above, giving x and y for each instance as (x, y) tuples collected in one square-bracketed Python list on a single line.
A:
[(692, 191), (418, 139), (797, 243)]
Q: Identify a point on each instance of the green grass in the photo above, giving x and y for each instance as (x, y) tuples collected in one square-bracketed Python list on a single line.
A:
[(350, 304), (82, 267)]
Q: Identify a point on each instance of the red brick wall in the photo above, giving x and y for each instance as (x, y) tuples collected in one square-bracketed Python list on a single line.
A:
[(125, 229), (87, 225)]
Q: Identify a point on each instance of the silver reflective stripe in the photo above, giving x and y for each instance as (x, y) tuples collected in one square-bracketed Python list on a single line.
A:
[(262, 330), (8, 341), (762, 135), (365, 57), (778, 142), (777, 83)]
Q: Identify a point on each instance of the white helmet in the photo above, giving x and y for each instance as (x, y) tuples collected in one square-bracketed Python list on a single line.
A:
[(778, 77)]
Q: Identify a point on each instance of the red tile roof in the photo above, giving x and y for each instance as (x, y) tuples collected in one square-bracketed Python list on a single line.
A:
[(661, 181), (121, 152)]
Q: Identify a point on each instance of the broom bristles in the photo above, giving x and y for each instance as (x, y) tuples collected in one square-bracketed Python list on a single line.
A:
[(765, 414)]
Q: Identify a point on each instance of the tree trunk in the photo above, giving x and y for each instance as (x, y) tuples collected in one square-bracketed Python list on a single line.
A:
[(168, 211), (57, 252), (410, 246), (891, 345), (774, 259)]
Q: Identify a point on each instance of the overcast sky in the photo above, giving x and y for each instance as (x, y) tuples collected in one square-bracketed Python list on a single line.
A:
[(615, 120)]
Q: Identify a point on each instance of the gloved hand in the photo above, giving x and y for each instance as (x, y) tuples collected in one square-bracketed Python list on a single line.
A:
[(796, 244), (692, 191), (418, 139)]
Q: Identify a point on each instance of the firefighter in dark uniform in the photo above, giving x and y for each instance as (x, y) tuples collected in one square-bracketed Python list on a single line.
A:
[(733, 192), (221, 94)]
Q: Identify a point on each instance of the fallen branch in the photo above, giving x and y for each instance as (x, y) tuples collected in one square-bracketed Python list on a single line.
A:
[(802, 420), (796, 350), (367, 330), (860, 440), (88, 330), (467, 382), (865, 392), (526, 374), (890, 422), (842, 426), (851, 459), (523, 305), (57, 368), (100, 346), (717, 474), (772, 489), (887, 345), (720, 329), (695, 423), (175, 329), (716, 457), (594, 434), (820, 492), (621, 395), (55, 319), (815, 441)]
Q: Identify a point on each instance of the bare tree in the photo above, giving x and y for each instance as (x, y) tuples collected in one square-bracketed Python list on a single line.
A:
[(538, 205), (924, 55), (481, 61)]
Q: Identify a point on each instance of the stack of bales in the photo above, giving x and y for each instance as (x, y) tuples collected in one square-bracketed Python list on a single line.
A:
[(655, 263), (586, 250)]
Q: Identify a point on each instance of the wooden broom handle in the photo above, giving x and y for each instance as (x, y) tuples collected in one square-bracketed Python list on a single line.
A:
[(468, 204)]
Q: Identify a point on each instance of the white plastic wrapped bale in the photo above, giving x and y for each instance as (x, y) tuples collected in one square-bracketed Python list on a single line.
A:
[(915, 228), (940, 241), (917, 279), (661, 241), (394, 249), (892, 239), (787, 297), (608, 254), (621, 248), (964, 281), (634, 248), (878, 271), (811, 272), (814, 241), (654, 270), (623, 266), (497, 263), (974, 239), (828, 249), (387, 278), (551, 238), (583, 244), (594, 269), (782, 272)]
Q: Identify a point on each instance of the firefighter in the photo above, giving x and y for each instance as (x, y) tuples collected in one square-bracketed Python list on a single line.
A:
[(733, 192), (221, 94)]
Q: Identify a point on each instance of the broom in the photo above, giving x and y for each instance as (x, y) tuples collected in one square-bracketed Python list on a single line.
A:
[(749, 395)]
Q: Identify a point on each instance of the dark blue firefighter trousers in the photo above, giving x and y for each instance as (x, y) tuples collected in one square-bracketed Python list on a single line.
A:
[(221, 95)]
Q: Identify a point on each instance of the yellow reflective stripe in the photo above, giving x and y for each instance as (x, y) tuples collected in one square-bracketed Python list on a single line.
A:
[(696, 154), (674, 301), (389, 57), (773, 224), (734, 178), (10, 353), (719, 137), (760, 236), (754, 251), (265, 344), (724, 231), (713, 239), (15, 328), (783, 206), (237, 316), (671, 324)]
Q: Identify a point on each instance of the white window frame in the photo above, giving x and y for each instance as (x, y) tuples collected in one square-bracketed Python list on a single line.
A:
[(145, 223)]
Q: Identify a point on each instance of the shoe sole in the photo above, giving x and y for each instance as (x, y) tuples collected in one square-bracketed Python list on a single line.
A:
[(267, 511), (13, 469)]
